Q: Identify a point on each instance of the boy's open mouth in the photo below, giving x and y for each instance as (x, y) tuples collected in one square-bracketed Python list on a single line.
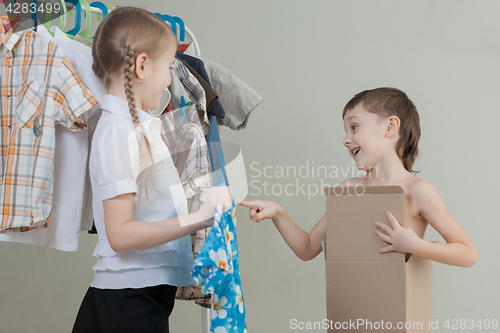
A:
[(355, 151)]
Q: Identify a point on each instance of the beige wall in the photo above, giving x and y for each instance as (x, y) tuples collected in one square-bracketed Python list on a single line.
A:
[(307, 59)]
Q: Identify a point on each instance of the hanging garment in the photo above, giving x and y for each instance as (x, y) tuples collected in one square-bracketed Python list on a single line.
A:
[(69, 143), (235, 96), (195, 177), (210, 94), (216, 270), (82, 55), (192, 91), (212, 137), (83, 40), (197, 68), (70, 210), (214, 150), (40, 89)]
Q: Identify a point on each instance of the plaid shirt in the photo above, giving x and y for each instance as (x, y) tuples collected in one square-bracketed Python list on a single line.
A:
[(194, 91), (195, 178), (39, 89)]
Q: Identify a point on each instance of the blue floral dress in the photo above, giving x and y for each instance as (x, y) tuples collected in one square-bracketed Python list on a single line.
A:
[(216, 270)]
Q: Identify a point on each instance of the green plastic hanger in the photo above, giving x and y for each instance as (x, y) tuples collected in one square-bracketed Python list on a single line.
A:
[(48, 18), (88, 20), (62, 25)]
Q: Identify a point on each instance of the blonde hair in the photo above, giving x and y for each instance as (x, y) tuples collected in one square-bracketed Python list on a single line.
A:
[(125, 33)]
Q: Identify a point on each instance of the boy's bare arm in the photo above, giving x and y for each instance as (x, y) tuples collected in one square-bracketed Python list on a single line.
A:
[(305, 245), (459, 249)]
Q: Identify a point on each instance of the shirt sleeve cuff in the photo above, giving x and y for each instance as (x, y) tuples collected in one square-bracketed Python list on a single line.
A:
[(117, 188)]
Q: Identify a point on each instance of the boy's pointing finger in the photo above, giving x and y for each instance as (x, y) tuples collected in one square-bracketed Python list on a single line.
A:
[(244, 203), (249, 204)]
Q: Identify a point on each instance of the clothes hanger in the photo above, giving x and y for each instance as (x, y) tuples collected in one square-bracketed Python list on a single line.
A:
[(170, 20), (78, 17), (182, 28), (48, 20), (62, 18), (102, 7), (16, 19), (183, 105), (88, 20), (62, 25), (34, 14)]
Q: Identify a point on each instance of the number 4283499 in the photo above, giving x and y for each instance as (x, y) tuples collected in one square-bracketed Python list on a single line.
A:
[(24, 8), (462, 324)]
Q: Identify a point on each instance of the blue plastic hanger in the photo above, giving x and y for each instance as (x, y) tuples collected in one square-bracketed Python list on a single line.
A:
[(170, 20), (78, 17), (34, 14), (102, 7), (182, 28), (183, 105)]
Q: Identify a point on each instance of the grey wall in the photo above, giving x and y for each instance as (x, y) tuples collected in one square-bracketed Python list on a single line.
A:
[(307, 59)]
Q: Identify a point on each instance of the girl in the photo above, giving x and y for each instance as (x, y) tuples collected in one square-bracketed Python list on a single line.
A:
[(143, 250), (382, 133)]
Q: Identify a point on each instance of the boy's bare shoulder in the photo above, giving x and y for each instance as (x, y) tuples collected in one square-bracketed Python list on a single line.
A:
[(419, 188)]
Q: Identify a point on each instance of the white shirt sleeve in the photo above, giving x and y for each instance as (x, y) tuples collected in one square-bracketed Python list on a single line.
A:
[(112, 162)]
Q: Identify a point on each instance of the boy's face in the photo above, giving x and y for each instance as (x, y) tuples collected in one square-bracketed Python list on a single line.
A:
[(364, 137)]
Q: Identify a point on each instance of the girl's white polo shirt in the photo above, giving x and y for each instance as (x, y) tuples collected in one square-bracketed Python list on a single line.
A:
[(114, 171)]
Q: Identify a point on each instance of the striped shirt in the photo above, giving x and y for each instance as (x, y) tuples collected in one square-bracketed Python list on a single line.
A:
[(39, 89)]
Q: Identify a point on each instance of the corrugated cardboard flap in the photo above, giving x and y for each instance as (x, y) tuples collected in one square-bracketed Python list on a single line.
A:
[(360, 190)]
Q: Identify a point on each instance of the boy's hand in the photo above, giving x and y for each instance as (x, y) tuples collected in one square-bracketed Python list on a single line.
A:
[(402, 240), (261, 210)]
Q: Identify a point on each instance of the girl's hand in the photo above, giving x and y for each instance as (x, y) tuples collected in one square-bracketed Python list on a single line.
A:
[(261, 210), (402, 240), (217, 195)]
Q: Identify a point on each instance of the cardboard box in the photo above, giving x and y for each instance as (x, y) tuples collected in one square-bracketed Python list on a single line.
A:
[(368, 291)]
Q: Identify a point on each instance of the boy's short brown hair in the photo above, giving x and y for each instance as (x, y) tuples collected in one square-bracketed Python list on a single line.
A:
[(386, 102)]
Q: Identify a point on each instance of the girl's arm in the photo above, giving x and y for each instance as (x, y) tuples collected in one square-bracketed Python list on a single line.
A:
[(458, 250), (305, 245), (126, 235)]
